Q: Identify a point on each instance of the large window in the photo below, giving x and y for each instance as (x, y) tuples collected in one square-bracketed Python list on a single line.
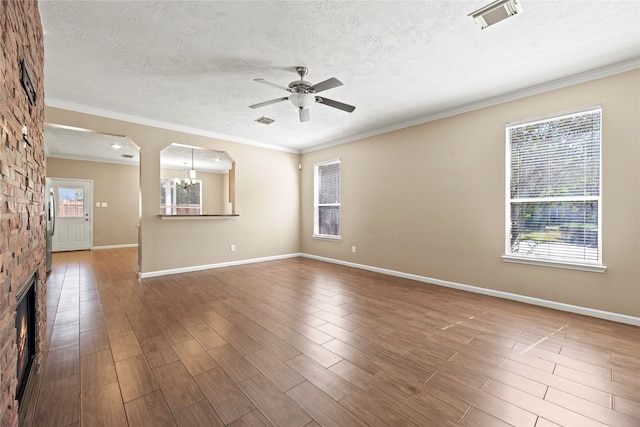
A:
[(553, 189), (179, 199), (327, 199)]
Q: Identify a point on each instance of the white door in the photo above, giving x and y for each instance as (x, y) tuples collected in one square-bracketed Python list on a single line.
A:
[(73, 201)]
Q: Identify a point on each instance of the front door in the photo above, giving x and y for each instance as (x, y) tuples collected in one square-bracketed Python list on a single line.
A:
[(73, 199)]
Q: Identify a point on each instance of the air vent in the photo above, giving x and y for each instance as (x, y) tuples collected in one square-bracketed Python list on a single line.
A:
[(495, 12), (265, 120), (128, 156)]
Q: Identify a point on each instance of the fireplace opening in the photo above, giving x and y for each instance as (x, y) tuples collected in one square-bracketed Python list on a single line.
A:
[(26, 332)]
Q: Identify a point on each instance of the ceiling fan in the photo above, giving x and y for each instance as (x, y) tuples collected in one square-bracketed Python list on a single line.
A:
[(303, 94)]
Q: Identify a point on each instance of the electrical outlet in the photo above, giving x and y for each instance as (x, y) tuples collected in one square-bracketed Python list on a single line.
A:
[(353, 249), (233, 248), (97, 204)]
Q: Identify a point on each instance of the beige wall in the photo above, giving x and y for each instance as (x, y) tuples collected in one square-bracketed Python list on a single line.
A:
[(430, 200), (114, 184), (267, 199), (427, 200)]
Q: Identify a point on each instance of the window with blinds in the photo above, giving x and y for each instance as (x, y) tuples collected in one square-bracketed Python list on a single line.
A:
[(553, 194), (327, 199)]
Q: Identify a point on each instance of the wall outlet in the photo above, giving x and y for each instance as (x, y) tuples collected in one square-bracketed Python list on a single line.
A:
[(233, 248), (353, 249), (105, 205), (97, 204)]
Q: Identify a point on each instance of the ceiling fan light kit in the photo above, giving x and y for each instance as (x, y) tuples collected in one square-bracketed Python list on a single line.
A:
[(303, 94), (302, 100), (495, 12)]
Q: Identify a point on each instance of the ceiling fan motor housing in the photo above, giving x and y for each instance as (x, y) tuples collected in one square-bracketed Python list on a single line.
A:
[(300, 86)]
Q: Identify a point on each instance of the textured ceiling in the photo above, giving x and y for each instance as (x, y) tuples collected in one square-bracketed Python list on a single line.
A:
[(83, 144), (191, 65)]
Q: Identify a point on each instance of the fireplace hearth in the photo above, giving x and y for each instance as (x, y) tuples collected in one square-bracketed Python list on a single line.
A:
[(25, 332)]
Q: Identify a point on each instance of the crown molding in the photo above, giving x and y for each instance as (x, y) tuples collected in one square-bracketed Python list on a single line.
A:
[(78, 108), (620, 67), (598, 73)]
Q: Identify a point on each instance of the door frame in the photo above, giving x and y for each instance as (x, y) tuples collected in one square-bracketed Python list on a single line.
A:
[(54, 181)]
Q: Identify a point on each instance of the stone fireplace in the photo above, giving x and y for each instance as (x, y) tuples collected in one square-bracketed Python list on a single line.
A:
[(22, 203), (26, 332)]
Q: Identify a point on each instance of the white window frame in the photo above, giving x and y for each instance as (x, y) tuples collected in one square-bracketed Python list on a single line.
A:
[(317, 205), (596, 266)]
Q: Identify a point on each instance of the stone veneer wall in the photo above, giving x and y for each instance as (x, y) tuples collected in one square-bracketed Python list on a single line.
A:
[(22, 186)]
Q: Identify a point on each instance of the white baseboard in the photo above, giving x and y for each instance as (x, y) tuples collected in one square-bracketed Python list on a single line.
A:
[(217, 265), (615, 317), (607, 315), (99, 248)]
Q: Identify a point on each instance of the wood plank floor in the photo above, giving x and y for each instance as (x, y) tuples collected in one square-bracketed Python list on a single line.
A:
[(299, 342)]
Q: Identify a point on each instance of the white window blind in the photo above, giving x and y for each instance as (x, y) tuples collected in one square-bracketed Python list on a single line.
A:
[(327, 199), (553, 194)]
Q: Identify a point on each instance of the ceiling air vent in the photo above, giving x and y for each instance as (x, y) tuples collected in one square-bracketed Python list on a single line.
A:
[(265, 120), (496, 12)]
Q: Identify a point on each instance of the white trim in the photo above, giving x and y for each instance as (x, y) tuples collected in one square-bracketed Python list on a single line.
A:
[(553, 116), (326, 237), (593, 268), (509, 200), (327, 162), (607, 315), (587, 76), (56, 181), (129, 245), (50, 102), (316, 204), (217, 265)]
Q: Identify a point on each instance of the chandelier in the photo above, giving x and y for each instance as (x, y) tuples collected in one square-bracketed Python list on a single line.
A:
[(188, 175)]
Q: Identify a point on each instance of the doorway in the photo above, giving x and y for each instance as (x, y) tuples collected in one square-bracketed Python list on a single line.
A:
[(76, 154), (73, 214)]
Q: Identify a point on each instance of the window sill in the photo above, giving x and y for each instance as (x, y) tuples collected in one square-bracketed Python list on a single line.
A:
[(593, 268), (326, 237), (204, 216)]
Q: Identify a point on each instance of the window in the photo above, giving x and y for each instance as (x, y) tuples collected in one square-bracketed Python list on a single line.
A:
[(176, 199), (71, 202), (327, 199), (553, 190)]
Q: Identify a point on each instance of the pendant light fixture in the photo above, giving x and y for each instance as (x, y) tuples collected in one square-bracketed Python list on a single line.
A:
[(189, 178), (192, 172)]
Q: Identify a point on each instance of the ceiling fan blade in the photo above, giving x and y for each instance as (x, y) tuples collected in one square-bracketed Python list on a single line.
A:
[(335, 104), (268, 83), (273, 101), (305, 116), (327, 84)]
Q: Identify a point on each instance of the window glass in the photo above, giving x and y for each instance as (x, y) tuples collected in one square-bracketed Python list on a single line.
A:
[(554, 188), (70, 202), (327, 199)]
